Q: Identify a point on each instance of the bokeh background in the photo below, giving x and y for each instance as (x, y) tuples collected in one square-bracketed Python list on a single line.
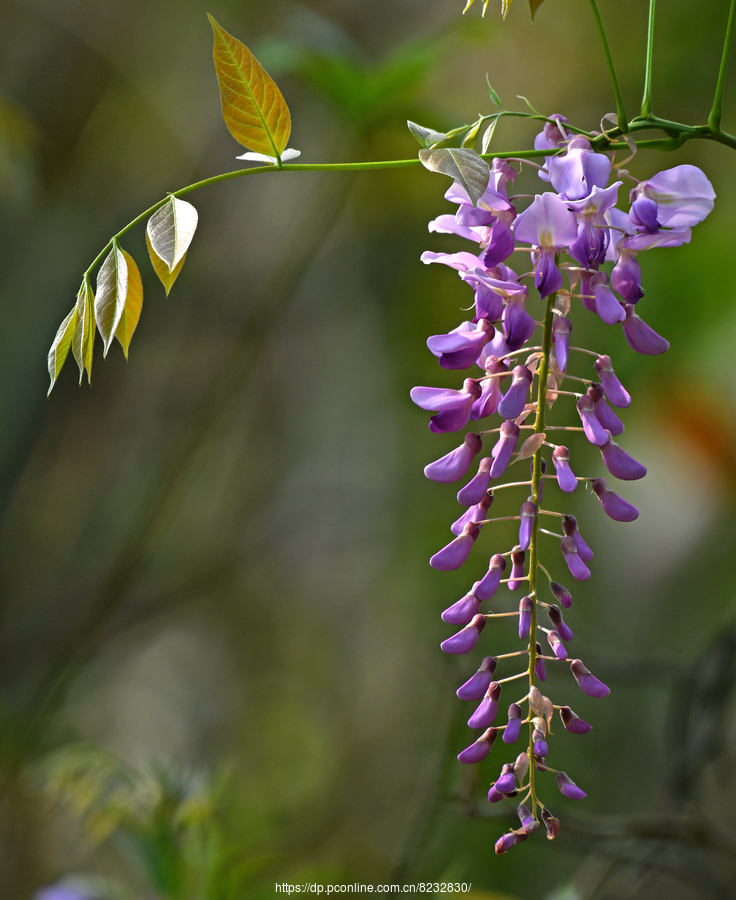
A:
[(219, 632)]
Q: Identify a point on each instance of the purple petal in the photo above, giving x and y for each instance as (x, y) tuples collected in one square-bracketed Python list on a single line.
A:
[(501, 453), (589, 684), (607, 306), (465, 640), (643, 214), (570, 529), (559, 624), (528, 515), (517, 569), (476, 686), (616, 507), (509, 840), (488, 303), (518, 325), (455, 463), (449, 225), (440, 399), (574, 724), (475, 489), (619, 463), (463, 611), (513, 729), (477, 514), (645, 241), (493, 795), (626, 276), (577, 567), (568, 788), (514, 399), (577, 172), (553, 639), (561, 594), (485, 714), (565, 478), (684, 196), (480, 749), (547, 277), (603, 412), (615, 391), (641, 337), (454, 554), (547, 223), (462, 261), (528, 822), (506, 783), (501, 244), (593, 429), (526, 607), (488, 585), (561, 329)]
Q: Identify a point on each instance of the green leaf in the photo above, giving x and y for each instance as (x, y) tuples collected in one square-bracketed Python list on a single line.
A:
[(472, 134), (534, 6), (83, 341), (132, 306), (493, 95), (112, 288), (254, 110), (467, 168), (60, 347), (170, 231), (488, 136), (426, 136), (166, 277), (535, 111)]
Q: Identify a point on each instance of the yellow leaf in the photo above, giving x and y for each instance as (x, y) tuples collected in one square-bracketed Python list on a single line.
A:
[(254, 110), (132, 307), (166, 277), (171, 229), (83, 341), (60, 347), (534, 6)]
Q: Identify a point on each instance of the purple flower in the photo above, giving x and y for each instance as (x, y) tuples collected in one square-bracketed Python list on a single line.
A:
[(513, 728), (491, 199), (613, 388), (553, 639), (462, 261), (454, 554), (570, 529), (616, 507), (476, 686), (517, 569), (562, 628), (514, 399), (574, 724), (505, 446), (476, 488), (463, 611), (493, 795), (476, 514), (501, 241), (568, 788), (453, 406), (461, 348), (528, 515), (518, 325), (626, 276), (683, 195), (580, 170), (603, 412), (593, 429), (509, 840), (561, 593), (593, 234), (455, 463), (540, 745), (549, 225), (528, 822), (488, 585), (485, 714), (606, 305), (526, 607), (619, 463), (577, 567), (62, 892), (561, 330), (506, 783), (478, 750), (565, 478), (551, 824), (589, 684), (641, 337), (465, 640), (490, 391)]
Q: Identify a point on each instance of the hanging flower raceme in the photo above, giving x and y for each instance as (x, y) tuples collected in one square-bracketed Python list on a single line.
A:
[(518, 384)]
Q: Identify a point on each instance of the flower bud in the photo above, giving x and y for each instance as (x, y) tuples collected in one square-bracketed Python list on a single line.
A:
[(476, 686), (561, 593), (557, 648), (555, 617), (465, 640), (570, 529), (455, 463), (593, 429), (615, 391), (526, 607), (615, 507), (462, 612), (619, 463), (478, 750), (528, 822), (568, 788), (509, 840), (574, 724), (505, 446), (528, 515), (488, 584), (475, 514), (506, 783), (514, 399), (539, 669), (475, 490), (540, 745), (641, 337), (577, 567), (603, 412), (521, 766), (513, 728), (517, 569), (454, 554), (552, 825), (565, 478), (561, 329), (589, 684), (485, 715)]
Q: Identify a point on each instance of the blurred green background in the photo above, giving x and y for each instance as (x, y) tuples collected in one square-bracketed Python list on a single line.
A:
[(219, 632)]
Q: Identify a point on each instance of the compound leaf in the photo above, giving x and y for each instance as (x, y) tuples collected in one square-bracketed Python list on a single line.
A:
[(253, 107)]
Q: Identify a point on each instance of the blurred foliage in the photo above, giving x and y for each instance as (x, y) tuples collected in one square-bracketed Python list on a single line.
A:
[(219, 551)]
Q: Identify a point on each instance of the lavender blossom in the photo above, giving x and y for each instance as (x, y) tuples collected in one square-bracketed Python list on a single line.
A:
[(549, 225), (463, 611), (487, 709), (454, 554), (454, 406), (460, 349), (683, 195), (616, 507), (455, 463), (641, 337), (613, 388), (476, 686), (518, 325), (475, 489), (488, 585), (478, 750), (589, 684), (626, 276), (501, 453), (577, 172), (619, 463), (465, 640)]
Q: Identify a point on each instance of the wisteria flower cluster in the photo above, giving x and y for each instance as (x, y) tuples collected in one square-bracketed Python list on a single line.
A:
[(571, 232)]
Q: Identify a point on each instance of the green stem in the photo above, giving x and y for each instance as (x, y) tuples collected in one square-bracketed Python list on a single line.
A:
[(714, 119), (646, 103), (620, 111), (534, 546)]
